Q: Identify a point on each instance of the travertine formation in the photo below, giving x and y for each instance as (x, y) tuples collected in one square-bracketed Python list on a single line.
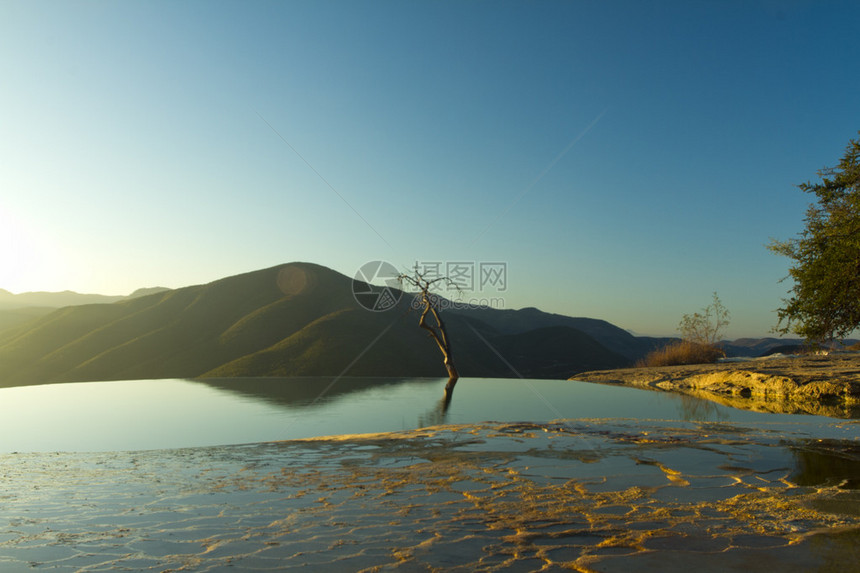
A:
[(583, 496), (826, 385)]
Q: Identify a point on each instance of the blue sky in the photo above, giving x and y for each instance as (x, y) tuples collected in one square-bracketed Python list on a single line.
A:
[(624, 159)]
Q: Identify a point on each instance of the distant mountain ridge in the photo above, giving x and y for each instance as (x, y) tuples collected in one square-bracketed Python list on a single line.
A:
[(756, 347), (297, 319), (65, 298), (612, 337), (289, 320), (18, 308)]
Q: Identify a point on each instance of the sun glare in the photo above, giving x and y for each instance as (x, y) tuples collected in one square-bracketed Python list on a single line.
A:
[(26, 262)]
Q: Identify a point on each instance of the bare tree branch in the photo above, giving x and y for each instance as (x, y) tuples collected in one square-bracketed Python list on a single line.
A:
[(438, 332)]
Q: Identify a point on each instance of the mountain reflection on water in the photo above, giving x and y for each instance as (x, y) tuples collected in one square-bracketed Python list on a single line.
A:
[(513, 474), (303, 391), (317, 391), (158, 414)]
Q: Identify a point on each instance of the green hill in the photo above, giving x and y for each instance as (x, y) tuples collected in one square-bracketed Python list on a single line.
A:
[(616, 339), (65, 298), (551, 351), (291, 320), (10, 317)]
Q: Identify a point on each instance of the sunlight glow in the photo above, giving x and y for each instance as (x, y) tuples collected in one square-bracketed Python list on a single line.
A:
[(27, 261)]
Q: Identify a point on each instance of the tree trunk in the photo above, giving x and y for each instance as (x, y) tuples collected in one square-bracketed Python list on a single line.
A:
[(440, 334), (449, 390)]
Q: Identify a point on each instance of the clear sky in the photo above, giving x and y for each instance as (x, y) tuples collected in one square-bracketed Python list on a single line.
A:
[(624, 159)]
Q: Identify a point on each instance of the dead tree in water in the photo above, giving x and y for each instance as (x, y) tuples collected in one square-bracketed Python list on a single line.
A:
[(437, 332)]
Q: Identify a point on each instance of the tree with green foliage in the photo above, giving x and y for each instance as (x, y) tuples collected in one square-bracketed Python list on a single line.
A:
[(824, 302), (706, 327)]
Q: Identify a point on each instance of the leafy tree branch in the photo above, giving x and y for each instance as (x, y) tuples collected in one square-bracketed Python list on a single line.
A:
[(824, 301)]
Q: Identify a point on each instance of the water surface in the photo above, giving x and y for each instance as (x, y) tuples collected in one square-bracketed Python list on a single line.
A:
[(631, 479), (158, 414)]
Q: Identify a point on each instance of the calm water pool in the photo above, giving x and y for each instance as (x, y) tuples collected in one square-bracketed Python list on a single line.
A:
[(632, 480), (158, 414)]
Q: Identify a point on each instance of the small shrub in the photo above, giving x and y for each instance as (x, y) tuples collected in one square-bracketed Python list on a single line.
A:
[(706, 327), (683, 352)]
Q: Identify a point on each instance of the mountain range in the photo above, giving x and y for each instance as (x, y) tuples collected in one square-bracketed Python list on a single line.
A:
[(18, 308), (297, 319), (9, 300)]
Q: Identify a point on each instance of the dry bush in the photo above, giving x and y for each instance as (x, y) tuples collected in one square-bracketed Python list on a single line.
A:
[(683, 352), (706, 327)]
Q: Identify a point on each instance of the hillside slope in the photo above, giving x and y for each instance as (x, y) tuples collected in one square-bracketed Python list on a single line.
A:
[(10, 317), (294, 319), (607, 334), (65, 298)]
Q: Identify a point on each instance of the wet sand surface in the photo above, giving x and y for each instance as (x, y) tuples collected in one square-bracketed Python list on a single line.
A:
[(581, 495)]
